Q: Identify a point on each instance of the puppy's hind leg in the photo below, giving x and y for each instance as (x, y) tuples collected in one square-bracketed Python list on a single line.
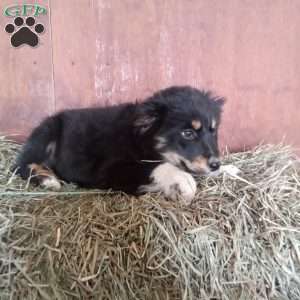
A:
[(40, 148)]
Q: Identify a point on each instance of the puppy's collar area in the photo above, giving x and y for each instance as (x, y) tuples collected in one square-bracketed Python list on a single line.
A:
[(150, 161), (181, 165), (185, 167)]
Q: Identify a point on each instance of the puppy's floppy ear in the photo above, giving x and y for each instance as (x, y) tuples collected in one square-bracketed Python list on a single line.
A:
[(220, 102), (149, 116)]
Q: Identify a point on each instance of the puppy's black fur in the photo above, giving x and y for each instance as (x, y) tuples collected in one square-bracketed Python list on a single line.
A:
[(118, 147)]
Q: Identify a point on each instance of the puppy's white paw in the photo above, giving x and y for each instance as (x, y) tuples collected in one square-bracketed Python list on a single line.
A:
[(184, 187), (51, 183), (173, 182)]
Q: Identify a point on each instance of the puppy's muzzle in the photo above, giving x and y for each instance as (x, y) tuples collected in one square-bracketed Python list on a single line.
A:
[(214, 163), (204, 165)]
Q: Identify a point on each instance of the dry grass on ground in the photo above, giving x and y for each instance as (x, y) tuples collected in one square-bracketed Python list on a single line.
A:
[(238, 239)]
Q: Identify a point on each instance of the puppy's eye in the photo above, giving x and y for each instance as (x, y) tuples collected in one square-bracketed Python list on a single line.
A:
[(189, 134)]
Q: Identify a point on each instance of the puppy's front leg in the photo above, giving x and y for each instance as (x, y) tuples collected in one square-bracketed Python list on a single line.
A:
[(173, 182)]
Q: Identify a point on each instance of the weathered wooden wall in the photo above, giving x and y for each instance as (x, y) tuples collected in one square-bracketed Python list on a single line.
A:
[(98, 51)]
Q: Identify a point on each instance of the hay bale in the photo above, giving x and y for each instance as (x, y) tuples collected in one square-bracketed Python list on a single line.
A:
[(240, 239)]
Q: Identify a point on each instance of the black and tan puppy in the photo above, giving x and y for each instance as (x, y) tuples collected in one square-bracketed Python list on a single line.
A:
[(153, 146)]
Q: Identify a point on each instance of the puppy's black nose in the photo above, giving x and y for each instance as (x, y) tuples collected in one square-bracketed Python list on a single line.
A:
[(214, 164)]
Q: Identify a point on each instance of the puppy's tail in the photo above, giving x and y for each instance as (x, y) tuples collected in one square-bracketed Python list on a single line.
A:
[(41, 147)]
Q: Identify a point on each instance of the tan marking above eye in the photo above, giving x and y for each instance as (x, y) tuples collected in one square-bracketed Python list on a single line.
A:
[(196, 124), (213, 123)]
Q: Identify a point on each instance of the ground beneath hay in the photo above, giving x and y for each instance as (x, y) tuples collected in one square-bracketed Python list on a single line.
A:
[(239, 239)]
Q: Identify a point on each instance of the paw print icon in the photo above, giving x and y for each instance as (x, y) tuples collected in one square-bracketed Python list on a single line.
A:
[(24, 32)]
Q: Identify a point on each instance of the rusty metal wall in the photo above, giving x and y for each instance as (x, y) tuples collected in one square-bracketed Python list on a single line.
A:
[(98, 52)]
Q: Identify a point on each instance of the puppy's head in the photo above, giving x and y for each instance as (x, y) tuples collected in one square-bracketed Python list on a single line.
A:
[(183, 123)]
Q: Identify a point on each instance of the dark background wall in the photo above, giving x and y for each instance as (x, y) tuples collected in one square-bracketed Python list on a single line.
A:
[(99, 52)]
